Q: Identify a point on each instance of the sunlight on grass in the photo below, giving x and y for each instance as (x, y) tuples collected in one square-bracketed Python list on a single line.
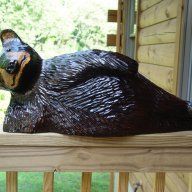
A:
[(2, 181), (63, 182)]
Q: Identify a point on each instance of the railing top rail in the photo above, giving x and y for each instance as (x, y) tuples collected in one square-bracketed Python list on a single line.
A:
[(179, 139), (54, 152)]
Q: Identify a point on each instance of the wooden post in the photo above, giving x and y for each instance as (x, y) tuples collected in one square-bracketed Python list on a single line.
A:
[(86, 182), (178, 45), (11, 182), (137, 30), (190, 182), (48, 182), (111, 40), (119, 26), (112, 178), (159, 182), (112, 16), (123, 181), (117, 39)]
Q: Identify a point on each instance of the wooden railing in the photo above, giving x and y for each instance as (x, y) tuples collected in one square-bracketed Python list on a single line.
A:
[(53, 152), (117, 16)]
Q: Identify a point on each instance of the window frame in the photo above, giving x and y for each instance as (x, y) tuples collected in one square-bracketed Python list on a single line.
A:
[(130, 11), (185, 76)]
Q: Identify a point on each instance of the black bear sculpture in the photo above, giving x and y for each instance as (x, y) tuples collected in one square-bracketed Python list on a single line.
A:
[(89, 93)]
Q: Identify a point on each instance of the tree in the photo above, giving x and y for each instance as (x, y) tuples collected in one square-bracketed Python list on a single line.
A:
[(56, 27)]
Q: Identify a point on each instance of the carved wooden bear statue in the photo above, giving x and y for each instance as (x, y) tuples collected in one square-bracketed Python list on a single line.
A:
[(90, 93)]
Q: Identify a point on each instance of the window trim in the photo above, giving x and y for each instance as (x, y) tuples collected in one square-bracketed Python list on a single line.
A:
[(129, 7), (185, 76)]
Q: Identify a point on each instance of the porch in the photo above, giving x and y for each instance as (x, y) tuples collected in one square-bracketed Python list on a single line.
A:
[(49, 153)]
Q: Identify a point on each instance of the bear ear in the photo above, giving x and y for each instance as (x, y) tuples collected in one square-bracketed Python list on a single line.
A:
[(8, 34)]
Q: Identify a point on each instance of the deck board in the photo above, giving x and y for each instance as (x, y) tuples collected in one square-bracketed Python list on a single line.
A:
[(95, 159), (55, 152), (178, 139)]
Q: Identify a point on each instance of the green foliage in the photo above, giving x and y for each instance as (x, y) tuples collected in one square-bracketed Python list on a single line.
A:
[(57, 27)]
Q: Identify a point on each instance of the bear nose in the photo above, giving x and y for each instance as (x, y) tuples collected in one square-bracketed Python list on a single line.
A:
[(12, 67)]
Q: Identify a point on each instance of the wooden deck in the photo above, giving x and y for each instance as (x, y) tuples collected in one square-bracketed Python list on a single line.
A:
[(54, 152)]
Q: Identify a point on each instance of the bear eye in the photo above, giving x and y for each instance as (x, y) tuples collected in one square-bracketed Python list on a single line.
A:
[(8, 50)]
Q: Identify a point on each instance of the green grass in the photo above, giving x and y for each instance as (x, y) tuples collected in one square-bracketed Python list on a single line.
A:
[(63, 182)]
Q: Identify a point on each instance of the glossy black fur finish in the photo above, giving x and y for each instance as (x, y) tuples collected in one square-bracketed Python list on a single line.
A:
[(95, 93)]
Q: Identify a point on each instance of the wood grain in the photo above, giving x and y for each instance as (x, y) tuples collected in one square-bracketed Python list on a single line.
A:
[(160, 75), (160, 23), (190, 183), (48, 182), (111, 40), (124, 29), (86, 182), (112, 16), (163, 140), (159, 182), (164, 32), (160, 54), (145, 179), (163, 11), (11, 182), (112, 182), (177, 182), (119, 26), (123, 182), (177, 67), (89, 159), (145, 4)]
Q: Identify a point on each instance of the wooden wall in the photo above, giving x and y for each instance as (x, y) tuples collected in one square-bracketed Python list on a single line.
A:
[(158, 37), (174, 182), (159, 24)]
